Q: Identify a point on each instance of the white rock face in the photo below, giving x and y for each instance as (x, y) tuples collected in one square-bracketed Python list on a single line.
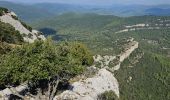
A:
[(121, 31), (132, 46), (90, 88), (13, 14), (8, 91), (143, 26), (103, 60), (34, 35), (167, 24), (137, 25), (15, 23), (124, 55)]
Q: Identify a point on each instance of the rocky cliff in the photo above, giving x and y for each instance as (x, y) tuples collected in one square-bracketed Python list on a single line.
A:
[(90, 88), (28, 34), (104, 80)]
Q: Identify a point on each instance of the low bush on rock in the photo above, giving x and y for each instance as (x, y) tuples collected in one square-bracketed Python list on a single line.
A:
[(9, 34), (108, 95), (3, 10)]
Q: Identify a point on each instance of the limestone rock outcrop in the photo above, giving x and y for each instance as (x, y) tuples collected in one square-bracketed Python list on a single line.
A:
[(28, 35), (90, 88)]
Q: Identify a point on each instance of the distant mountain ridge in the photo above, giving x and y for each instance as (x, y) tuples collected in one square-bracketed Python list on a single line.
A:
[(27, 13), (117, 10), (158, 11), (39, 11)]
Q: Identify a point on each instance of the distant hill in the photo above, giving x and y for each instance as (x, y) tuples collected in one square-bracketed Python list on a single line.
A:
[(40, 11), (27, 13), (117, 10), (158, 11), (59, 8)]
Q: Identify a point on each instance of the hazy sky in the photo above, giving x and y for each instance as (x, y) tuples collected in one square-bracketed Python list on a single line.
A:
[(99, 2)]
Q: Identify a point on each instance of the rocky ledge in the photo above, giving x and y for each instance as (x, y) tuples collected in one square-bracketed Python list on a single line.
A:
[(90, 88)]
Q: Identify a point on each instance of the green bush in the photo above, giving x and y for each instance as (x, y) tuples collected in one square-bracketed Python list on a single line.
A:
[(26, 26), (3, 10), (15, 17), (43, 60), (4, 48), (108, 95), (9, 34)]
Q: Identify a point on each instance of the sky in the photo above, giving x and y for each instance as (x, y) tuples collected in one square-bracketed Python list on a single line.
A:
[(98, 2)]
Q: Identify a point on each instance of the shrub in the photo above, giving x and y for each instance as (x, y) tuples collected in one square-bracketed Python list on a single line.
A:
[(108, 95), (44, 62), (26, 26), (15, 17), (4, 48), (3, 10), (9, 34), (30, 35)]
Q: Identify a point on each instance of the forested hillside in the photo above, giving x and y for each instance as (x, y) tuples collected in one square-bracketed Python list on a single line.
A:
[(145, 74)]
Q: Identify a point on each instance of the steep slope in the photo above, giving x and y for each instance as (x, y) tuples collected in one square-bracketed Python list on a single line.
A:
[(9, 34), (103, 80), (9, 38), (28, 34)]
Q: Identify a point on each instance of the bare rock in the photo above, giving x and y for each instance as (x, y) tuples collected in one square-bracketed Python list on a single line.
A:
[(90, 88), (30, 36)]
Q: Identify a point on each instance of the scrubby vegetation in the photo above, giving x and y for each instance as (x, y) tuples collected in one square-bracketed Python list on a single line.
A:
[(4, 48), (9, 37), (108, 95), (15, 17), (3, 10), (9, 34), (26, 26), (44, 62)]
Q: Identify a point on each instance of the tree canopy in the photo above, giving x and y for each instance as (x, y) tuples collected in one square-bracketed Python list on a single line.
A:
[(43, 60)]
